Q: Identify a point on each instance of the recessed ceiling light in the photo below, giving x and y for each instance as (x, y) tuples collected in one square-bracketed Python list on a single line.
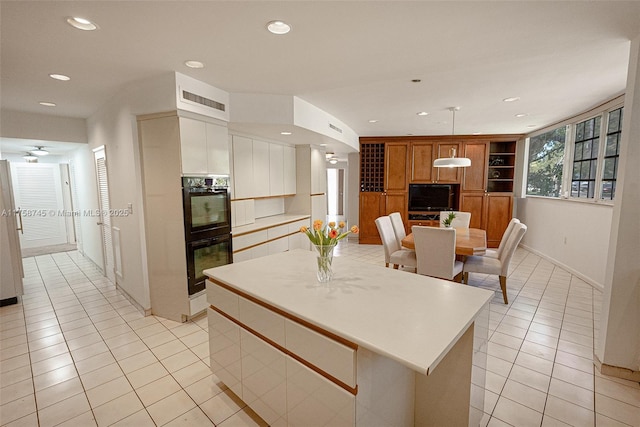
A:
[(81, 23), (323, 145), (532, 126), (60, 77), (47, 104), (512, 99), (521, 115), (422, 113), (285, 133), (278, 27), (194, 64), (373, 121)]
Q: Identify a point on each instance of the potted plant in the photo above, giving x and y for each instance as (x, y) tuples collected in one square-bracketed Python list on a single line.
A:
[(449, 219)]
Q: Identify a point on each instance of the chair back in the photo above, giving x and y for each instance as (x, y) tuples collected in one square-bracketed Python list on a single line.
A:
[(505, 236), (388, 237), (510, 247), (398, 227), (435, 251), (462, 219)]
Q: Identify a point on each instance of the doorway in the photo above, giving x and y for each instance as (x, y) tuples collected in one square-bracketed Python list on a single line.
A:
[(104, 217), (336, 195)]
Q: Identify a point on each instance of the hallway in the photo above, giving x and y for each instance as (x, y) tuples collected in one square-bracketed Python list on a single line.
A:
[(75, 352)]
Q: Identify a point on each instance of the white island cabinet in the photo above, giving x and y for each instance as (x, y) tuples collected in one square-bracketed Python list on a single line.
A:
[(375, 346)]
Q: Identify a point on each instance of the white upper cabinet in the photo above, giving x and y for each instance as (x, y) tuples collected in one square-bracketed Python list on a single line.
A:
[(242, 167), (260, 168), (217, 149), (204, 148), (289, 170), (276, 170)]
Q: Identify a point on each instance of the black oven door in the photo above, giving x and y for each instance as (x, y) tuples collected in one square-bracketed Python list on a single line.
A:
[(206, 210), (204, 254)]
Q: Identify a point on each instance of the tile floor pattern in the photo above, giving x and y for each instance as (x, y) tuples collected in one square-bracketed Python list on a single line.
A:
[(75, 352)]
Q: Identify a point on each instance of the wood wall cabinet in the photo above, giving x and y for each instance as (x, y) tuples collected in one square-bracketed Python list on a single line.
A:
[(423, 153)]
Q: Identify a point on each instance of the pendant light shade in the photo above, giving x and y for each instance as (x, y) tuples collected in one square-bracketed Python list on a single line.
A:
[(452, 161)]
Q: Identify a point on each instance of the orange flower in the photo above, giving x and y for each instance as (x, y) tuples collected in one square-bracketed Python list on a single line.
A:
[(332, 224), (317, 225), (304, 229), (355, 229), (341, 224), (333, 233)]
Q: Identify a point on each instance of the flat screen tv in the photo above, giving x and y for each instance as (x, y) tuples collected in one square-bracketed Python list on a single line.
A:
[(430, 197)]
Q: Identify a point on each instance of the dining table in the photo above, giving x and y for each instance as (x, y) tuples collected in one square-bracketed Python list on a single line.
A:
[(469, 241)]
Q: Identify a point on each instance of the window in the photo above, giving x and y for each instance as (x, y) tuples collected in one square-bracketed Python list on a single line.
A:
[(611, 154), (585, 158), (546, 158)]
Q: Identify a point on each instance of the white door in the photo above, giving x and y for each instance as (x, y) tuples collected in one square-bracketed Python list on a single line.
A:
[(11, 270), (37, 189), (104, 218)]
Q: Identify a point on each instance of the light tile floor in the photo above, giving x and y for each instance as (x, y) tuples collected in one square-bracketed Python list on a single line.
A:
[(75, 352)]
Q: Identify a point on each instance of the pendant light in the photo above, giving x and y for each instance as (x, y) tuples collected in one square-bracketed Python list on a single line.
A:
[(452, 161), (39, 151)]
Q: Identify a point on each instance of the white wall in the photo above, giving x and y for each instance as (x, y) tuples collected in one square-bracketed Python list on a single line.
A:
[(45, 127), (114, 126), (572, 234)]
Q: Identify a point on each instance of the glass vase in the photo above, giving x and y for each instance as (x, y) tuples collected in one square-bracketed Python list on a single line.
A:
[(324, 258)]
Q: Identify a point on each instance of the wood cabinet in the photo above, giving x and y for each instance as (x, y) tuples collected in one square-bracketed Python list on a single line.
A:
[(489, 211), (423, 153)]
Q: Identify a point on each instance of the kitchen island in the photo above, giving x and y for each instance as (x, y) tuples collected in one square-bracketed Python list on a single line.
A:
[(375, 346)]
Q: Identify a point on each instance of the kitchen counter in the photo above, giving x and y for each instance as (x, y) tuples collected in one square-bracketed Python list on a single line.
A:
[(409, 323)]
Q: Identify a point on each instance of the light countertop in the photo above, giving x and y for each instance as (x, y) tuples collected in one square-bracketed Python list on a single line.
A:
[(407, 317), (267, 222)]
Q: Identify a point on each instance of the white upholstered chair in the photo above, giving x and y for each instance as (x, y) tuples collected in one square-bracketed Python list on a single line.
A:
[(393, 253), (398, 227), (499, 266), (436, 252), (462, 219), (495, 253)]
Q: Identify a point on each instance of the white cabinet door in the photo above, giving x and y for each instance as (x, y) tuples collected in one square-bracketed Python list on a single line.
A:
[(313, 400), (260, 168), (242, 167), (217, 149), (289, 170), (263, 379), (319, 207), (276, 170), (193, 146), (318, 172), (224, 351)]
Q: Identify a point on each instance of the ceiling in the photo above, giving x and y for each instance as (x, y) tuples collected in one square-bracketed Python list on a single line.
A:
[(354, 60)]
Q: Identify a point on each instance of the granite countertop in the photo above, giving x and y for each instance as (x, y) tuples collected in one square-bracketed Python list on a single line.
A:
[(407, 317)]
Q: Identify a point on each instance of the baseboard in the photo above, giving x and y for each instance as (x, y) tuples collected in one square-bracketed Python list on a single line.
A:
[(142, 310), (616, 371), (588, 280)]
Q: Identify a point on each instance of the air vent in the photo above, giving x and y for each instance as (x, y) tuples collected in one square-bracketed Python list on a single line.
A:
[(202, 100), (334, 127)]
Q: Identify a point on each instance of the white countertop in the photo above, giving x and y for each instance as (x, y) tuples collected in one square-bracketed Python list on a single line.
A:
[(407, 317), (267, 222)]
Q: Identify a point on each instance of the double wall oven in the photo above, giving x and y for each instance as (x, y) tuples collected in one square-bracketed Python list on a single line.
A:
[(207, 226)]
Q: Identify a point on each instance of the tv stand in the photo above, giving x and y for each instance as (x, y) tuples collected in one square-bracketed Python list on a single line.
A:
[(424, 216)]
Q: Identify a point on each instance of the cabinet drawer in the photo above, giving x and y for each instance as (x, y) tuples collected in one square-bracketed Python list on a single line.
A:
[(262, 320), (222, 299), (332, 357), (279, 231), (249, 239), (295, 226), (279, 245), (224, 350)]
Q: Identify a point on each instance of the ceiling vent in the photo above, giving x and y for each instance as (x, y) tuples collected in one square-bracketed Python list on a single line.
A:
[(334, 127), (192, 97)]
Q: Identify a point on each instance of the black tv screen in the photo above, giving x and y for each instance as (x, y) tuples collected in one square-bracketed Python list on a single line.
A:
[(430, 197)]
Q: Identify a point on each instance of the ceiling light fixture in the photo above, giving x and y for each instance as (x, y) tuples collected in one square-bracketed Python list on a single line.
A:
[(373, 121), (60, 77), (81, 23), (453, 161), (194, 64), (47, 104), (30, 157), (512, 99), (278, 27), (521, 115), (39, 151), (285, 133), (333, 161), (422, 113)]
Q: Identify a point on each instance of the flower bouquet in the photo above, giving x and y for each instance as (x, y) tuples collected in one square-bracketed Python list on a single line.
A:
[(324, 239)]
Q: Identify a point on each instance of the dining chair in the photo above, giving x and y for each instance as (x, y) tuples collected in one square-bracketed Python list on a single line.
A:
[(398, 227), (436, 252), (393, 253), (499, 266), (462, 219), (495, 253)]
